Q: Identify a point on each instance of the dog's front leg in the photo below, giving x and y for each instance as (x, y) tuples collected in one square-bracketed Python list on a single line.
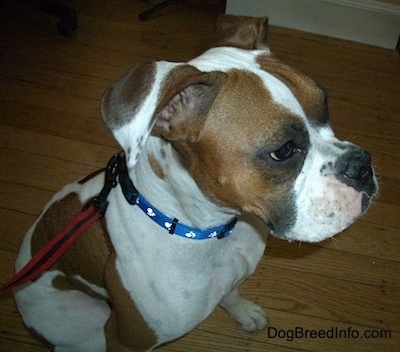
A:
[(250, 316), (126, 330)]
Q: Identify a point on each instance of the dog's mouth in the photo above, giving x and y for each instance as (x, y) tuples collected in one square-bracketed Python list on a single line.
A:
[(366, 200), (271, 228), (277, 231), (321, 218)]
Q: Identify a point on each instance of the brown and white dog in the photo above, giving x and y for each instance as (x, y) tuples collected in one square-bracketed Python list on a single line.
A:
[(234, 131)]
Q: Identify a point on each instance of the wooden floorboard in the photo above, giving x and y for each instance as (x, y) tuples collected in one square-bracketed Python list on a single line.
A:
[(51, 133)]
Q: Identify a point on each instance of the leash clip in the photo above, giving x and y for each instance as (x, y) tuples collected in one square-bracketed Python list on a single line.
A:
[(228, 228), (110, 181), (128, 189)]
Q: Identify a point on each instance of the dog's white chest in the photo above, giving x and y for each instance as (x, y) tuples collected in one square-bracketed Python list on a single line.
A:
[(182, 280)]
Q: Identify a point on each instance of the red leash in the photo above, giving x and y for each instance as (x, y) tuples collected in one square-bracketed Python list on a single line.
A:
[(53, 250), (59, 244)]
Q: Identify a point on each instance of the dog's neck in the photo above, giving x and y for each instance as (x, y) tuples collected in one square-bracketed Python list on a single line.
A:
[(175, 193)]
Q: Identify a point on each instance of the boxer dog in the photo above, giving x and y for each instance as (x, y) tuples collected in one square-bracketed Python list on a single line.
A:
[(234, 131)]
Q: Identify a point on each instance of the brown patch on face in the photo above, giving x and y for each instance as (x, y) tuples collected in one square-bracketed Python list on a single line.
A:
[(311, 96), (126, 330), (155, 166), (89, 253), (227, 161)]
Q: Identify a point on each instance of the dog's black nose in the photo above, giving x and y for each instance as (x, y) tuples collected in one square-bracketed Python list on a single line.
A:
[(354, 169)]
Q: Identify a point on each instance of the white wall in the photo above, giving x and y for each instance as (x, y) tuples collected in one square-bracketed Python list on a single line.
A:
[(366, 21)]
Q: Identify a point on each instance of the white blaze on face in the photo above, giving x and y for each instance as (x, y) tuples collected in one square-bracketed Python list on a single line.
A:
[(227, 58)]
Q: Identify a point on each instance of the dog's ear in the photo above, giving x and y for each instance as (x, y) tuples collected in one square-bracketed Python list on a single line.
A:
[(187, 97), (242, 32), (171, 98)]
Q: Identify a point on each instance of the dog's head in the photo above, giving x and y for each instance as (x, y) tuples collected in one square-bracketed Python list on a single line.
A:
[(253, 133)]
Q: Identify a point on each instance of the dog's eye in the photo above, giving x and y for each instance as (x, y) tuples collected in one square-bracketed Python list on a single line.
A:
[(284, 152)]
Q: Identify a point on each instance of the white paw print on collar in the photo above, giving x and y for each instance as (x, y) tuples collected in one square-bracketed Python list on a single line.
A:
[(190, 234), (213, 234), (150, 212)]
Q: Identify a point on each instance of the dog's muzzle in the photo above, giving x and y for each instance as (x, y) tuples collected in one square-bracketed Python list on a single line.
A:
[(354, 169)]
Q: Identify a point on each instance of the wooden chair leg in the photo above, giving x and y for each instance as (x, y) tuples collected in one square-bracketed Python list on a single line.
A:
[(146, 14)]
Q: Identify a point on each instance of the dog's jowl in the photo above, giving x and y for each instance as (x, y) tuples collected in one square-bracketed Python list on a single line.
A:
[(209, 146)]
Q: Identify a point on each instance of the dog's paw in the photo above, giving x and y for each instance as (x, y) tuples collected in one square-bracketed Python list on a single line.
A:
[(249, 315)]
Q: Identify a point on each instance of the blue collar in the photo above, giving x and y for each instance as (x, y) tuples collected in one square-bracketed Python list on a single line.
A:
[(173, 226)]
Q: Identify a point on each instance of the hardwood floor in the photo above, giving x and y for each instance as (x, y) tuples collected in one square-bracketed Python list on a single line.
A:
[(51, 134)]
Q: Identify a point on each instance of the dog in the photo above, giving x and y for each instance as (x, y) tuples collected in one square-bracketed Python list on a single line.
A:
[(207, 145)]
